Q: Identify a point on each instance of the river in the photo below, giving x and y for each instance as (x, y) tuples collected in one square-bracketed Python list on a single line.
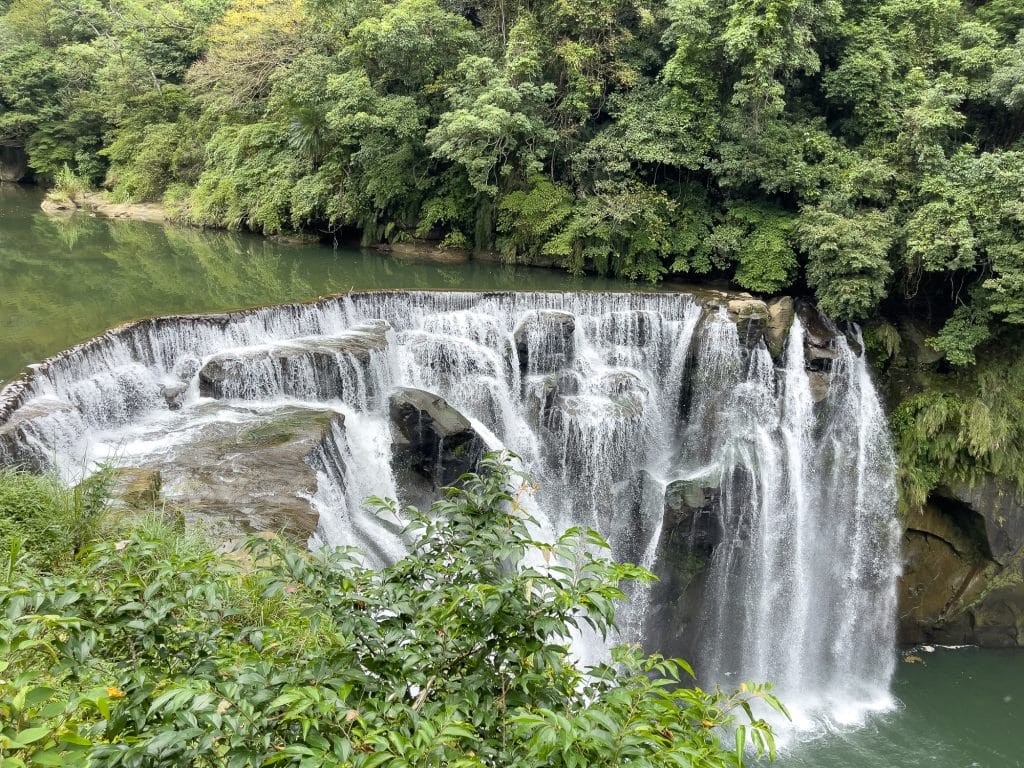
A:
[(64, 280)]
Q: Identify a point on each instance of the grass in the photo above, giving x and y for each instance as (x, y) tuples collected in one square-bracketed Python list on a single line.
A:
[(51, 521)]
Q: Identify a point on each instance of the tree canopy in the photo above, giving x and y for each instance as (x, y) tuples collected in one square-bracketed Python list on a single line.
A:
[(869, 154)]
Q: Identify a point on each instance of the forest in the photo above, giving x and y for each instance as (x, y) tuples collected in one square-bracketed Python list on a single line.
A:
[(867, 154)]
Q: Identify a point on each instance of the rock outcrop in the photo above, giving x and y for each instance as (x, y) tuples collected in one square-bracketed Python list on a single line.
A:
[(322, 366), (13, 164), (17, 431), (97, 204), (431, 438), (963, 577), (690, 531), (544, 341), (243, 472), (751, 317), (781, 313), (819, 349)]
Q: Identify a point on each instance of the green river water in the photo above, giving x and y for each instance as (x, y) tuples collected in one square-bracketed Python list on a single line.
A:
[(64, 280)]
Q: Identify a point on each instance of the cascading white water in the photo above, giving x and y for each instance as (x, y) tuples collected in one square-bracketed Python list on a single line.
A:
[(608, 398), (800, 588)]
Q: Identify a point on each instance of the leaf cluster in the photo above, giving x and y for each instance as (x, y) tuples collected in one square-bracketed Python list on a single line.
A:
[(157, 651)]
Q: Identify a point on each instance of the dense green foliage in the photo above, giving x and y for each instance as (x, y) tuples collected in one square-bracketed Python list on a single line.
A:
[(156, 651), (51, 521), (870, 153)]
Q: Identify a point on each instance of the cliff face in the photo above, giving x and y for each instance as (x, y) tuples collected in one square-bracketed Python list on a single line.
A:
[(963, 579), (13, 164), (958, 437)]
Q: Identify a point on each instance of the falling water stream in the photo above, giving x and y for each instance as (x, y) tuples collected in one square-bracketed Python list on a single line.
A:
[(607, 398)]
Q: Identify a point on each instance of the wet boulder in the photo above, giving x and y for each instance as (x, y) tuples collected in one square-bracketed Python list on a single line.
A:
[(690, 515), (136, 487), (820, 351), (542, 394), (544, 341), (242, 471), (431, 437), (173, 394), (21, 425), (751, 317), (781, 313), (690, 530)]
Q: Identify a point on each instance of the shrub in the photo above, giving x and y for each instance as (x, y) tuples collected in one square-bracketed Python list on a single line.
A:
[(67, 185), (51, 521), (156, 651)]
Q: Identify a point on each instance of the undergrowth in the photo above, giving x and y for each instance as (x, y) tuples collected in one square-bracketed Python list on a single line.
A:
[(148, 648)]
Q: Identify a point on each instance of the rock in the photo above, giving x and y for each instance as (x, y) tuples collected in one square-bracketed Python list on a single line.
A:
[(1000, 505), (137, 487), (309, 367), (691, 515), (174, 394), (821, 385), (818, 332), (544, 394), (751, 318), (940, 563), (13, 164), (544, 341), (16, 432), (819, 349), (914, 346), (294, 238), (55, 206), (689, 533), (998, 620), (617, 397), (432, 437), (963, 571), (853, 339), (616, 384), (780, 319), (422, 251), (97, 203), (245, 471)]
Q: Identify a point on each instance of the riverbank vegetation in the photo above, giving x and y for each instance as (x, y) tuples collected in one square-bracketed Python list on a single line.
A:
[(155, 650), (870, 154)]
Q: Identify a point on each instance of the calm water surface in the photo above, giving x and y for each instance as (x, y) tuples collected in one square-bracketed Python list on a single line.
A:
[(65, 280), (958, 709)]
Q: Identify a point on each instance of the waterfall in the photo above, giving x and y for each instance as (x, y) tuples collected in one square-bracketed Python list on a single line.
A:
[(758, 484)]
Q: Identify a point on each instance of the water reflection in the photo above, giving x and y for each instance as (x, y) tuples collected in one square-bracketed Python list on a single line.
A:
[(65, 279)]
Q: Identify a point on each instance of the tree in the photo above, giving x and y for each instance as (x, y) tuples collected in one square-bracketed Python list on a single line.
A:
[(847, 258)]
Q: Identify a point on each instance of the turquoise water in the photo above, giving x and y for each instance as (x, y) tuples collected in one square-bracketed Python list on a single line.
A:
[(957, 709), (65, 280)]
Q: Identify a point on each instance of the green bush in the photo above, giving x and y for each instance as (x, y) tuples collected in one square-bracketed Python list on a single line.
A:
[(962, 428), (156, 651), (67, 185), (52, 522)]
